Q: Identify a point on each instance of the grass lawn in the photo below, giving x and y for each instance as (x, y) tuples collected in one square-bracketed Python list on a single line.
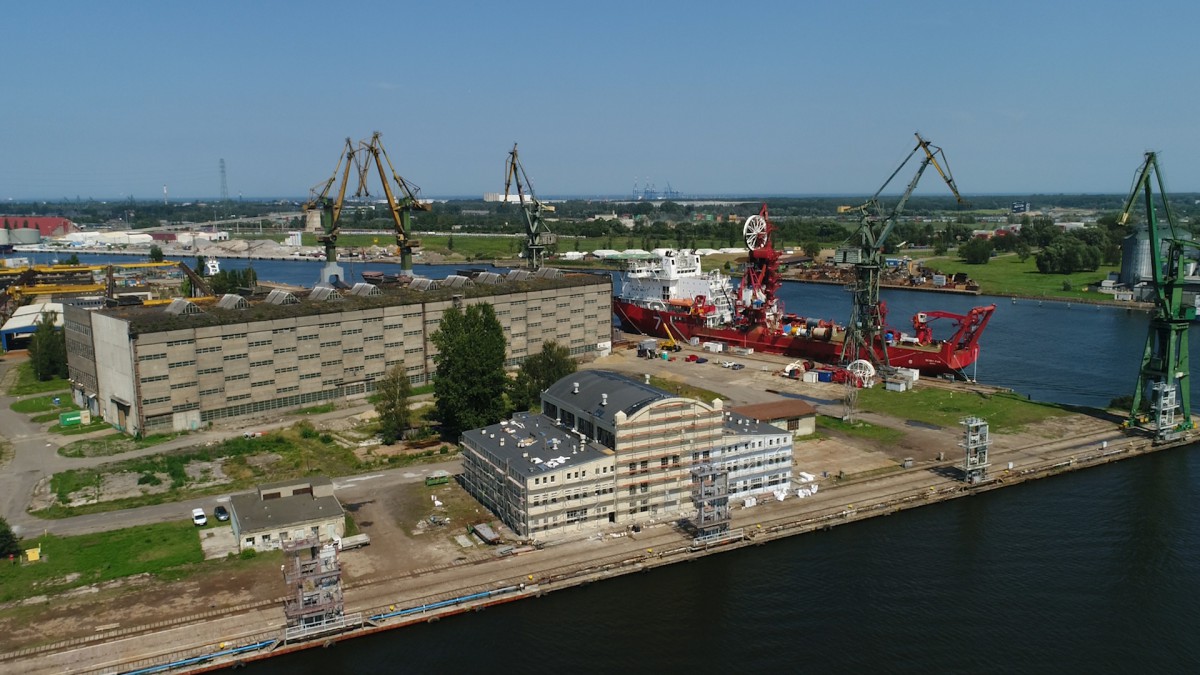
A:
[(246, 462), (27, 383), (685, 390), (1007, 275), (1004, 412), (41, 404), (863, 430), (69, 562), (112, 444)]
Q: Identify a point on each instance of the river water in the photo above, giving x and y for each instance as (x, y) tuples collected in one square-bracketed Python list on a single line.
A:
[(1091, 572)]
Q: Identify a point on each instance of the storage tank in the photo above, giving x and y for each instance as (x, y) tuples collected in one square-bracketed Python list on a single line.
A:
[(24, 235)]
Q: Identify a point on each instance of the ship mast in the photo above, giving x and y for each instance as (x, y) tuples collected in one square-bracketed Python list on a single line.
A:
[(757, 302)]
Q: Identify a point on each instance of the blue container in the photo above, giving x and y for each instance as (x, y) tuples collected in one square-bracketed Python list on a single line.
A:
[(824, 376)]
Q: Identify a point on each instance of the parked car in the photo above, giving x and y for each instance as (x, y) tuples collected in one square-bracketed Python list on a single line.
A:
[(737, 366), (221, 513), (198, 517), (692, 357)]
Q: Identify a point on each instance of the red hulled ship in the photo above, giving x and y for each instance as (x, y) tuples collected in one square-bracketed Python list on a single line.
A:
[(667, 295)]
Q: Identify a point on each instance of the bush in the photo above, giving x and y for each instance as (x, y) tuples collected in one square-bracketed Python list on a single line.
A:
[(248, 554), (149, 479), (326, 438), (307, 431)]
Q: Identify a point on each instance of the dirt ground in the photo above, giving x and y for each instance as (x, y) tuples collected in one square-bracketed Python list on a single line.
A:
[(404, 538)]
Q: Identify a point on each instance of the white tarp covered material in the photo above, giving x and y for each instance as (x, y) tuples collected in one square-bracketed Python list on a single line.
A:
[(806, 477), (780, 495), (749, 502), (605, 253)]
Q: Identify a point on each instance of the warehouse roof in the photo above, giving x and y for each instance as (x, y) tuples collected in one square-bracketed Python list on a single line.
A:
[(532, 444), (149, 319), (602, 393), (255, 515), (781, 409)]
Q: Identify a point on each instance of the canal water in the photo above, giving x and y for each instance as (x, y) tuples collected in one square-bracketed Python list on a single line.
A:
[(1091, 572)]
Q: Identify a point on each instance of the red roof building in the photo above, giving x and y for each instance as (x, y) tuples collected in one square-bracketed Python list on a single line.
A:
[(48, 226)]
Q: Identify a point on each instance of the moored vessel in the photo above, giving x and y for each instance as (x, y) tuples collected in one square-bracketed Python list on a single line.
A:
[(666, 294)]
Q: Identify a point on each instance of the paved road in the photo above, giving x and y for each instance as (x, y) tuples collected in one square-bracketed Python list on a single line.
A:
[(36, 457)]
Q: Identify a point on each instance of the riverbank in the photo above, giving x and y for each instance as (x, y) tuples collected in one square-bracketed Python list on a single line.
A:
[(399, 598)]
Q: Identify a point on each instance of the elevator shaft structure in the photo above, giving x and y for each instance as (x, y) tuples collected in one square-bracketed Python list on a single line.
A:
[(1164, 375)]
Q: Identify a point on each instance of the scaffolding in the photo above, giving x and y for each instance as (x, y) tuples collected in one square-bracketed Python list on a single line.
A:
[(975, 443), (710, 496), (314, 579), (1166, 411)]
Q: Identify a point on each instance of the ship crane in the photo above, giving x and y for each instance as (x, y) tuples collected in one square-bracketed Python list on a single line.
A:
[(330, 208), (537, 236), (868, 317), (1164, 373)]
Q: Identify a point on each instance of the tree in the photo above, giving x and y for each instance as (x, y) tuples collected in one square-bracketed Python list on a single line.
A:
[(469, 375), (72, 259), (391, 402), (156, 253), (9, 544), (977, 251), (538, 372), (48, 349)]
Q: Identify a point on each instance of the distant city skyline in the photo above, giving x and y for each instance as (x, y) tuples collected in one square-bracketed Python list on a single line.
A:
[(766, 98)]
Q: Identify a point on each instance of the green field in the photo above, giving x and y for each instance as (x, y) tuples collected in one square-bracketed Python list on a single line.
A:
[(1007, 275), (69, 562), (1005, 412), (863, 430), (27, 382), (41, 404), (112, 444)]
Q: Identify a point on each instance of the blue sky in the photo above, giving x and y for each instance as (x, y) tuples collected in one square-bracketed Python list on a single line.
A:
[(107, 100)]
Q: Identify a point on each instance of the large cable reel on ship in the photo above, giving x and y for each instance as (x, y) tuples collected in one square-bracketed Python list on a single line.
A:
[(754, 232)]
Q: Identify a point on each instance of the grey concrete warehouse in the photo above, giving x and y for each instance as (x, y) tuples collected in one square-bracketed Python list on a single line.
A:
[(150, 369)]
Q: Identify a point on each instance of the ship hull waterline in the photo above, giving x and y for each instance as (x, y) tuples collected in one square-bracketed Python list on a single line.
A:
[(934, 359)]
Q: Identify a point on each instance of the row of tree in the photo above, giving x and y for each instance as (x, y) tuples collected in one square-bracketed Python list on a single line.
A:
[(470, 385), (1059, 252)]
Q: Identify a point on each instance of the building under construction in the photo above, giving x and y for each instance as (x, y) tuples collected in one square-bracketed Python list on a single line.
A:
[(607, 449), (155, 369)]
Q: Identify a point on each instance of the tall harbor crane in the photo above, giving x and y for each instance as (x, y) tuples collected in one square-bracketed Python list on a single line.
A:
[(1164, 374), (537, 235), (330, 208), (868, 317), (400, 208)]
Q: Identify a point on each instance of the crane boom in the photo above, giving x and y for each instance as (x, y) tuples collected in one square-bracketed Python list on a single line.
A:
[(868, 317), (537, 235), (330, 208), (400, 209), (1165, 372)]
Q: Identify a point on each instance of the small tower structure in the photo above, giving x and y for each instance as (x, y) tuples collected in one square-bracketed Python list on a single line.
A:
[(976, 441)]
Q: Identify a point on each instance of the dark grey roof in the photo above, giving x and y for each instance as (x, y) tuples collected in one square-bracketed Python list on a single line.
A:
[(532, 444), (254, 514), (623, 393), (311, 480)]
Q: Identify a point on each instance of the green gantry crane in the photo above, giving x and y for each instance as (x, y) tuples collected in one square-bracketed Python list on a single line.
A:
[(868, 316), (1164, 375)]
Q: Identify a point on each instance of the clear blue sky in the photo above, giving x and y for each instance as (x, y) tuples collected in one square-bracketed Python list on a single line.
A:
[(111, 99)]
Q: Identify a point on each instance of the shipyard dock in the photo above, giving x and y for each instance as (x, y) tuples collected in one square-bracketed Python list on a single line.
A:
[(394, 598)]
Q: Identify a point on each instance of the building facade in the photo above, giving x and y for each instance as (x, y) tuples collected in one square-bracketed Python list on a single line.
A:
[(278, 513), (609, 450), (146, 371)]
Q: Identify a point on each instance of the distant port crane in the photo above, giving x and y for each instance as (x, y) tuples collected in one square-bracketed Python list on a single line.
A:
[(331, 207), (1164, 373)]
